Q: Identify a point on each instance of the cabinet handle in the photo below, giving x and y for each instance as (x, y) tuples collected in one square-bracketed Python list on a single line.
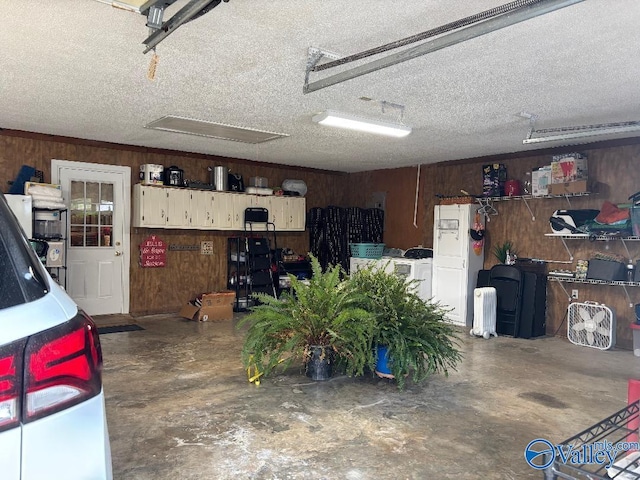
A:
[(162, 214)]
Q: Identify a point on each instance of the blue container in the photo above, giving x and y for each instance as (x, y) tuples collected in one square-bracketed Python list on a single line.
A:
[(383, 362)]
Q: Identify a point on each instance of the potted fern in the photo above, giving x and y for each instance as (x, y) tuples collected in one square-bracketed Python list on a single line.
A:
[(411, 336), (319, 322), (501, 250)]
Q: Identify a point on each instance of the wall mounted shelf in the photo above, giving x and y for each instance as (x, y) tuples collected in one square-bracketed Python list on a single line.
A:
[(487, 208), (590, 281), (586, 236)]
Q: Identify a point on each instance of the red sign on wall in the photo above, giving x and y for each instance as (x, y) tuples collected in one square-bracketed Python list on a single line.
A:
[(153, 252)]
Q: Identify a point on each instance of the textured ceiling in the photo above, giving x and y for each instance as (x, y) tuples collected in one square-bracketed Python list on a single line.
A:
[(76, 68)]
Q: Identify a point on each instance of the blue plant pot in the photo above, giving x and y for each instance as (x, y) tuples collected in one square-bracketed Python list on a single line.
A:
[(383, 362)]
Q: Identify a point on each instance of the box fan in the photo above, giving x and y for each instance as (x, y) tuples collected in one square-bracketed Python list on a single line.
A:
[(591, 324)]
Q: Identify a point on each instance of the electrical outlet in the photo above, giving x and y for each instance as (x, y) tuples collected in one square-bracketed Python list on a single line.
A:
[(574, 294)]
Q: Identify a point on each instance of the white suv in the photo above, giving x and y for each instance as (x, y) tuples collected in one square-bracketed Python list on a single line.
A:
[(52, 415)]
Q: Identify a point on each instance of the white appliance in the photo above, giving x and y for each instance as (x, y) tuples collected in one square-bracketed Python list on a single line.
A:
[(485, 308), (21, 207), (410, 269), (455, 262)]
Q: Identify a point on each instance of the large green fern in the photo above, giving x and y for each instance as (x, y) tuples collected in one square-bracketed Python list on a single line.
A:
[(324, 311), (419, 339)]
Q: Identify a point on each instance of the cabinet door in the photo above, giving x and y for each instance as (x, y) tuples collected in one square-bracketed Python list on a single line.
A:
[(296, 214), (278, 213), (260, 201), (178, 208), (240, 203), (149, 206), (223, 213), (202, 209)]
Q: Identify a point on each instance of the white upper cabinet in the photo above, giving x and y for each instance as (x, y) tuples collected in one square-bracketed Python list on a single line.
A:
[(149, 206), (178, 208), (297, 213), (223, 211), (171, 207), (203, 207)]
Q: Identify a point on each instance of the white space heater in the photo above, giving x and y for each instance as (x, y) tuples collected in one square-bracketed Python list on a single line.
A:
[(591, 324), (485, 304)]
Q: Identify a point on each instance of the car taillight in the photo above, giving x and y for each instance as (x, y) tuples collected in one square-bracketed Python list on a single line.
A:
[(10, 384), (62, 367)]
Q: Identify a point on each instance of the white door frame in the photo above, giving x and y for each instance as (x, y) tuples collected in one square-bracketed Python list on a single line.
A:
[(58, 165)]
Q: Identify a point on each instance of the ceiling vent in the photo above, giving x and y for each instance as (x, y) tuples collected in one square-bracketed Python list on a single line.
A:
[(220, 131)]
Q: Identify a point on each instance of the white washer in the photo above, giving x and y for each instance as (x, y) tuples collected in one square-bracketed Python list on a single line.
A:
[(407, 268)]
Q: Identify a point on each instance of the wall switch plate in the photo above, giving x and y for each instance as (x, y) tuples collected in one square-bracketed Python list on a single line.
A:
[(574, 294)]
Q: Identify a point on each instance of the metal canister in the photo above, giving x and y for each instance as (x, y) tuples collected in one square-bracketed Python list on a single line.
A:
[(220, 178)]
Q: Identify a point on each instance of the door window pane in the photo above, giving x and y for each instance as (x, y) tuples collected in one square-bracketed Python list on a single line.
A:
[(91, 214)]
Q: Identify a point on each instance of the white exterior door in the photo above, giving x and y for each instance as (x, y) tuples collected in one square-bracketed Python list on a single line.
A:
[(98, 198)]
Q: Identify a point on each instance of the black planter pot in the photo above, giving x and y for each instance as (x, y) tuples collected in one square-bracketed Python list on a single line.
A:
[(319, 365)]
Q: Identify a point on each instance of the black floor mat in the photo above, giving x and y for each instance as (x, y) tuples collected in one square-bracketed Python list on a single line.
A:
[(119, 328)]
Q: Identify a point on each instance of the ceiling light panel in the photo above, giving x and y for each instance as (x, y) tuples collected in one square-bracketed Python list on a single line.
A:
[(332, 118), (221, 131)]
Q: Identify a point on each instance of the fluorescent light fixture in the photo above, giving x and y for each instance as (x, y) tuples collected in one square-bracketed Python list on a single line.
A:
[(221, 131), (574, 133), (332, 118)]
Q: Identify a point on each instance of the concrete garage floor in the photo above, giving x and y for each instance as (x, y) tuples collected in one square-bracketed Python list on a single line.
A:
[(179, 406)]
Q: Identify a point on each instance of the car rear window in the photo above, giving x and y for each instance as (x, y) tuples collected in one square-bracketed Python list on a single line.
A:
[(22, 278)]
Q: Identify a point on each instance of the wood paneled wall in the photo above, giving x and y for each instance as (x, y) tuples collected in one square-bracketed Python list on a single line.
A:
[(614, 175), (612, 169), (399, 185), (159, 290)]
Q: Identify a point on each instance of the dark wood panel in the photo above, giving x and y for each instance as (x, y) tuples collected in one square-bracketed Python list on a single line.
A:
[(614, 174), (158, 290), (189, 273), (399, 185)]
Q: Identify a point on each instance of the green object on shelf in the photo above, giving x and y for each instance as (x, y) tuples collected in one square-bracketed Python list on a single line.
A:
[(500, 251)]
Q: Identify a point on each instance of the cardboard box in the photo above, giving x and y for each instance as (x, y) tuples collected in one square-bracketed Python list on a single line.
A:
[(570, 187), (540, 181), (215, 306), (569, 168)]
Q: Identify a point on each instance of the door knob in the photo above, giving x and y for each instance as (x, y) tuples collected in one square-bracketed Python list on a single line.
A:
[(118, 253)]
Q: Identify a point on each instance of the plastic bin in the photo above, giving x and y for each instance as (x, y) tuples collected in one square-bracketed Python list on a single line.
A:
[(366, 250), (47, 225), (635, 220)]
